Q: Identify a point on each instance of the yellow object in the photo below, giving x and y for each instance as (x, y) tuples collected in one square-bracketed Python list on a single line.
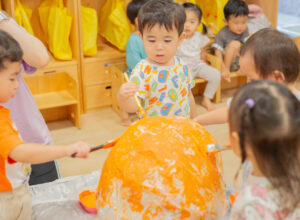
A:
[(115, 27), (56, 24), (44, 15), (23, 15), (89, 30), (213, 13)]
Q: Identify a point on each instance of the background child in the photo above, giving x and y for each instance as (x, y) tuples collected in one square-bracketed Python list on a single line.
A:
[(22, 106), (228, 40), (162, 81), (135, 50), (261, 60), (191, 50), (15, 199), (264, 123)]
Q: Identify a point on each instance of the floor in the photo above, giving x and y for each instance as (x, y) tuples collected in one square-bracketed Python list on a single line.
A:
[(102, 125)]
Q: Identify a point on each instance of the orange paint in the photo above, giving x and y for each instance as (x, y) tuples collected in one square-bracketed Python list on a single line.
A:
[(161, 166), (88, 200)]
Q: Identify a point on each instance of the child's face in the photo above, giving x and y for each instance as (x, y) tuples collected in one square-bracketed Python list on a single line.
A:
[(161, 44), (8, 80), (247, 68), (191, 23), (237, 24)]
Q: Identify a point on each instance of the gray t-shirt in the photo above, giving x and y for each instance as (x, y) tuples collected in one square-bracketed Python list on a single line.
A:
[(225, 36)]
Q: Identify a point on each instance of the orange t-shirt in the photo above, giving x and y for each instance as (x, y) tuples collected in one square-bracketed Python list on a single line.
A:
[(12, 174)]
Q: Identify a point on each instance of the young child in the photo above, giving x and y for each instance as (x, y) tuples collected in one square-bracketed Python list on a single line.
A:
[(192, 50), (135, 50), (264, 121), (228, 41), (15, 155), (23, 109), (260, 59), (162, 80)]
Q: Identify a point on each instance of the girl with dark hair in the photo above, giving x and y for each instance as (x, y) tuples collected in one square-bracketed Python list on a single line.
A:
[(264, 121), (192, 51)]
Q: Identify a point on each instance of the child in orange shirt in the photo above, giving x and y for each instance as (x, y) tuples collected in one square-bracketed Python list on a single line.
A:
[(15, 155)]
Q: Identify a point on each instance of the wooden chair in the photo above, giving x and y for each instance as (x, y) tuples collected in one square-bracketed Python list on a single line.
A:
[(117, 71)]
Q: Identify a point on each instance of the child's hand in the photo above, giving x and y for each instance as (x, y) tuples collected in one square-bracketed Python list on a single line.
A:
[(128, 90), (78, 149)]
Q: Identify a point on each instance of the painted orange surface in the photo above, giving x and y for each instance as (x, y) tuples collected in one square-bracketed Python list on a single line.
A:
[(160, 168)]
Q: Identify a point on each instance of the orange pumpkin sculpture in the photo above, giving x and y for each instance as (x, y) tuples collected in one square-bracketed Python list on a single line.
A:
[(161, 169)]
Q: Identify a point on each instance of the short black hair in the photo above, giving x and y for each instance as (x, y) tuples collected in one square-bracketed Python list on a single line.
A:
[(10, 49), (163, 12), (235, 8), (133, 8), (198, 11), (272, 50)]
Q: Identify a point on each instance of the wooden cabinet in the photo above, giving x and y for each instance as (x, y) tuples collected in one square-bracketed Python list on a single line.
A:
[(96, 70), (59, 108)]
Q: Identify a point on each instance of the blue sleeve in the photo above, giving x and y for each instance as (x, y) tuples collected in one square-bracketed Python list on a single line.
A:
[(134, 52)]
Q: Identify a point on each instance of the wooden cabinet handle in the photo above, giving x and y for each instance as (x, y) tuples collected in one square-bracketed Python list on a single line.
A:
[(51, 71)]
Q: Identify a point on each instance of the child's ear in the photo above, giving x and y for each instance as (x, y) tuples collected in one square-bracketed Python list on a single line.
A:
[(278, 76)]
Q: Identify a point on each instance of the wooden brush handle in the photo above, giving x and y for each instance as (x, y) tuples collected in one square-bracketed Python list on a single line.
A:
[(141, 109)]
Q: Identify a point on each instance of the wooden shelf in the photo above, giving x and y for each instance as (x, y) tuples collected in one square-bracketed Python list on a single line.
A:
[(55, 92), (59, 63), (105, 52), (54, 99)]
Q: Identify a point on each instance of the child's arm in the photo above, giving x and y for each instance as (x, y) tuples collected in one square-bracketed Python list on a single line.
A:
[(125, 97), (36, 153), (218, 116), (35, 53), (225, 72), (192, 105)]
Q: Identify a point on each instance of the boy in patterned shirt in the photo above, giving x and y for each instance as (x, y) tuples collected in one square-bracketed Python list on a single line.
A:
[(162, 80)]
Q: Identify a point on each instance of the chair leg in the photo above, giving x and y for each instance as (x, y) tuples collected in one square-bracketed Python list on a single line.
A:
[(241, 80), (217, 97)]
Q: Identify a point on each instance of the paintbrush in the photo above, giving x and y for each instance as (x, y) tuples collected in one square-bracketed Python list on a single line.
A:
[(141, 109), (101, 146), (215, 148)]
